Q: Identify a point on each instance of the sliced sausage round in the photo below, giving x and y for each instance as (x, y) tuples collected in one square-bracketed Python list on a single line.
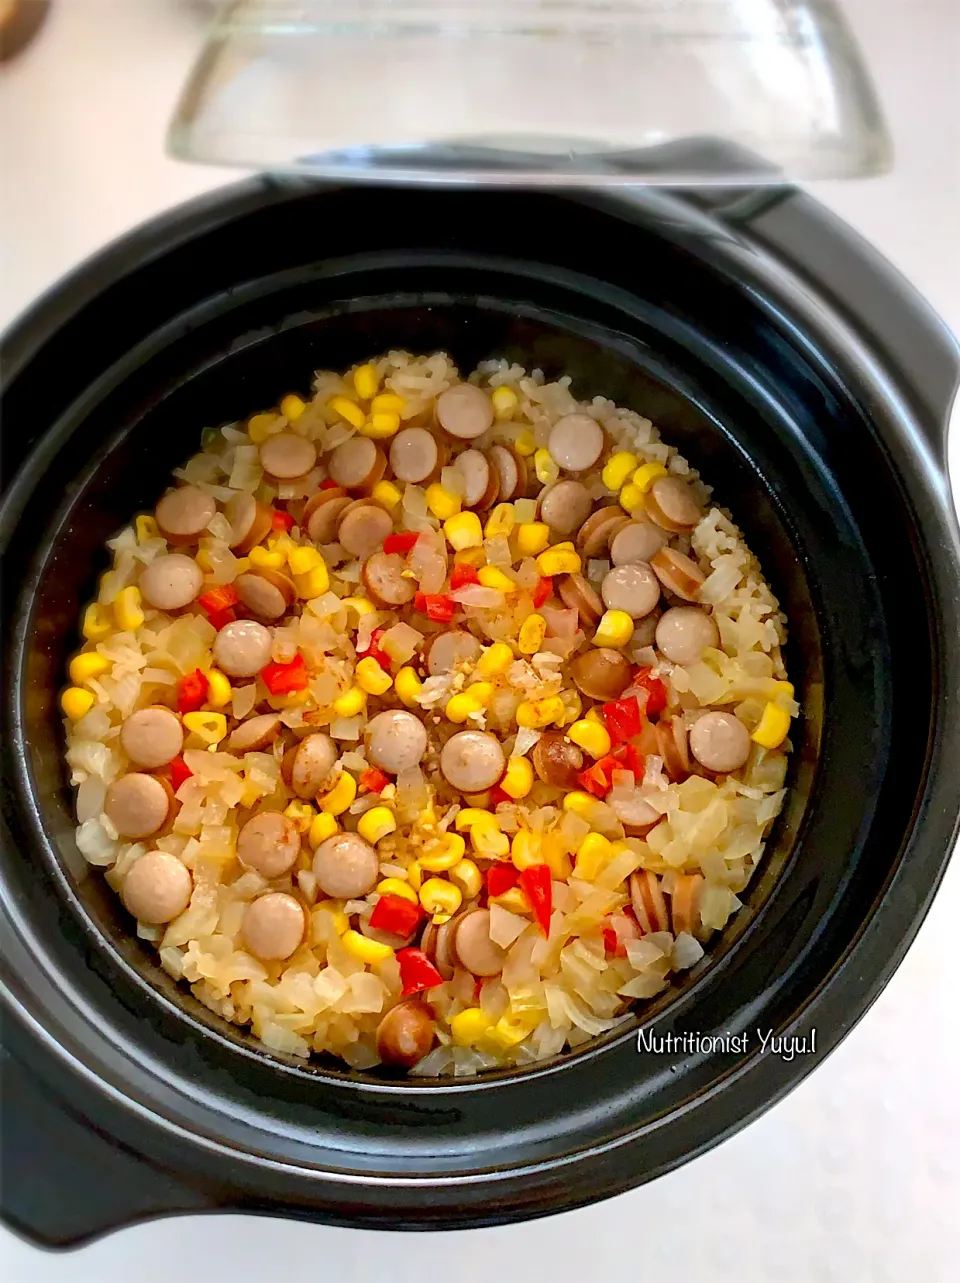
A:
[(136, 805), (273, 926), (357, 464), (648, 902), (507, 466), (602, 674), (464, 411), (685, 904), (478, 953), (346, 866), (576, 442), (557, 760), (720, 742), (678, 573), (250, 522), (685, 632), (183, 514), (472, 761), (414, 455), (313, 764), (633, 588), (406, 1033), (673, 746), (396, 740), (444, 651), (363, 529), (635, 814), (444, 952), (384, 580), (287, 456), (269, 843), (157, 888), (322, 519), (151, 737), (646, 630), (265, 592), (481, 484), (242, 648), (579, 594), (598, 530), (255, 734), (636, 541), (670, 503), (171, 582), (566, 506)]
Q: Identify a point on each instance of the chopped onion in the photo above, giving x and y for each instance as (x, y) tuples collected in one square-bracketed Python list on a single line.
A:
[(505, 926), (347, 728), (480, 597), (686, 951), (525, 741)]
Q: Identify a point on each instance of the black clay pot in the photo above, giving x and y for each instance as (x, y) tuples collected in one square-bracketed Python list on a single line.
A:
[(811, 387)]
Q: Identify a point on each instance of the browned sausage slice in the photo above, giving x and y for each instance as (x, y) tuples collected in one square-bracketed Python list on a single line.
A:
[(269, 843), (602, 674), (151, 737), (346, 866), (384, 580), (678, 573), (557, 760), (357, 464), (720, 742), (363, 529), (396, 740), (464, 411), (648, 902), (171, 582), (685, 632), (478, 953), (183, 514), (636, 541), (254, 734), (633, 588), (414, 455), (273, 926), (576, 442), (670, 503), (472, 761), (636, 814), (324, 521), (313, 764), (577, 593), (136, 805), (242, 648), (598, 530), (566, 506), (481, 484), (685, 904), (157, 888), (406, 1033), (672, 745), (250, 521), (266, 592), (506, 465), (444, 651), (287, 456)]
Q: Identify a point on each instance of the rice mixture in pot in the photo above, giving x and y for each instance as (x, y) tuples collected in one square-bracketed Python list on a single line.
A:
[(430, 722)]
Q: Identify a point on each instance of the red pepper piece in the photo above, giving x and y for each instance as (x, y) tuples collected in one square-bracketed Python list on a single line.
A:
[(221, 597), (497, 795), (417, 972), (395, 915), (536, 882), (630, 759), (401, 543), (220, 618), (282, 522), (501, 878), (598, 778), (282, 679), (192, 692), (436, 606), (463, 574), (542, 591), (373, 651), (611, 941), (179, 772), (373, 780), (646, 680), (329, 484), (622, 719)]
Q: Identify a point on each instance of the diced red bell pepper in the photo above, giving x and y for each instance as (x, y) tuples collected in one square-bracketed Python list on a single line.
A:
[(401, 543), (498, 795), (622, 719), (192, 692), (219, 619), (611, 941), (373, 651), (463, 574), (220, 597), (477, 989), (630, 758), (501, 878), (373, 780), (647, 680), (395, 915), (329, 484), (284, 679), (417, 972), (542, 591), (179, 772), (598, 778), (436, 606), (283, 523), (536, 882)]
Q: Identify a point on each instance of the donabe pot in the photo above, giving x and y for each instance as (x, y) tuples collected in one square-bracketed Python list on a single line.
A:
[(809, 385)]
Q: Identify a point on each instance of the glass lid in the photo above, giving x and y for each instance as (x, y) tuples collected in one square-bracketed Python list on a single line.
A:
[(559, 92)]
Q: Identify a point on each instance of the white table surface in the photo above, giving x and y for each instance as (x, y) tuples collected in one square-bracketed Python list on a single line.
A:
[(856, 1175)]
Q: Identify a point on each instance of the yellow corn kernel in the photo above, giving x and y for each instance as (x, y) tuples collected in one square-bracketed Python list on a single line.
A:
[(534, 714), (559, 561), (366, 380), (341, 923), (441, 502), (504, 402), (444, 854), (545, 466), (593, 715), (579, 803), (371, 677), (591, 737), (85, 667), (525, 445), (440, 898), (525, 849), (467, 877), (415, 875), (532, 632), (387, 403), (463, 531), (202, 559), (243, 565), (631, 498), (209, 727), (302, 814), (511, 1029), (96, 623), (646, 475), (146, 529), (488, 839), (381, 426), (618, 469), (532, 538), (471, 815), (259, 425), (302, 560), (784, 693), (386, 494), (553, 853), (481, 693), (492, 577), (322, 826), (127, 609), (614, 629), (500, 522), (773, 727), (518, 778), (459, 707), (408, 686), (219, 690), (76, 703), (314, 583), (595, 850), (470, 1026), (350, 703), (291, 407), (269, 558), (342, 795), (495, 660), (348, 410), (396, 886), (359, 605), (369, 952), (514, 900), (376, 824)]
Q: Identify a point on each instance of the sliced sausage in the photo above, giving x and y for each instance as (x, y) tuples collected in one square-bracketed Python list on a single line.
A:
[(646, 631), (396, 740), (313, 763), (183, 514), (685, 632), (625, 928), (566, 506), (406, 1033), (250, 522), (481, 483), (511, 481), (136, 805), (720, 742), (670, 503), (579, 594), (346, 866), (414, 455), (444, 651), (557, 760), (636, 541), (478, 953), (273, 926), (266, 592), (363, 529), (672, 745), (171, 582), (242, 648), (357, 464), (633, 588), (472, 761), (322, 513), (151, 737), (635, 814), (287, 456), (602, 674), (254, 734), (599, 528), (269, 843), (576, 442), (384, 580), (685, 904), (157, 888), (678, 573), (648, 902), (444, 953), (464, 411)]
